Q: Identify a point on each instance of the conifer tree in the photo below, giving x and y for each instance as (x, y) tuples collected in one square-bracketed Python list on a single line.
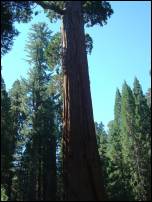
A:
[(102, 139), (43, 140), (142, 145), (8, 141), (148, 94), (127, 137), (19, 112), (115, 174)]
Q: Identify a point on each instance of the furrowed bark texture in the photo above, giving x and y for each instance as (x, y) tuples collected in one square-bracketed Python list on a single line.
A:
[(81, 168)]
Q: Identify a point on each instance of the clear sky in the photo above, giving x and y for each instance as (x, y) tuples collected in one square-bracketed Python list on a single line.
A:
[(121, 51)]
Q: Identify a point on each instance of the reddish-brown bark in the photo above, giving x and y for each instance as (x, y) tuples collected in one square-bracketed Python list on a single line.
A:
[(82, 172)]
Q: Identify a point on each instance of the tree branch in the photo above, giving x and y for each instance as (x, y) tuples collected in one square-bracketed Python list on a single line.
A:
[(53, 7)]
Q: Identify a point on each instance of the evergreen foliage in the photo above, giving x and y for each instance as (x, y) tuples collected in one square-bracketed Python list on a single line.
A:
[(142, 144), (8, 141), (127, 162), (3, 194), (11, 12), (94, 12)]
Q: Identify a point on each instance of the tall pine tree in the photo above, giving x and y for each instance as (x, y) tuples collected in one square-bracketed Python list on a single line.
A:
[(43, 144), (115, 187), (141, 145), (127, 137)]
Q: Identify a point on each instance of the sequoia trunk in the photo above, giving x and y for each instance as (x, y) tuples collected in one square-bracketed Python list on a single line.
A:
[(82, 173)]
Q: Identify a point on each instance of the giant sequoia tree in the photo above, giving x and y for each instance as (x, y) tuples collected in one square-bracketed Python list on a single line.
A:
[(82, 179)]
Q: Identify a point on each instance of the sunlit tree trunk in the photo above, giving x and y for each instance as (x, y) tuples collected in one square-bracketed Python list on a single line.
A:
[(81, 168)]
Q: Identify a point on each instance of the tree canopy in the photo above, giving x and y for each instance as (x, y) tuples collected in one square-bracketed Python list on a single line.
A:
[(11, 12)]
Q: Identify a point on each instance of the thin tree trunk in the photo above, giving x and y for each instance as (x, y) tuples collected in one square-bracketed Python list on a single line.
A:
[(51, 178), (82, 173), (9, 186), (39, 194)]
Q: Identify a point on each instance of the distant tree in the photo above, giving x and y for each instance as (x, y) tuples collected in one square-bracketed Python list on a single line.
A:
[(116, 178), (127, 137), (128, 148), (102, 139), (148, 94), (142, 149), (42, 145), (148, 97)]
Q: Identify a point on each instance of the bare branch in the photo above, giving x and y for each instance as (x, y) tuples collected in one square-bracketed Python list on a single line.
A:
[(53, 7)]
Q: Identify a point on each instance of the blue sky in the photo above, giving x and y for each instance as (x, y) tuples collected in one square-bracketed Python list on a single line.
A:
[(121, 51)]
